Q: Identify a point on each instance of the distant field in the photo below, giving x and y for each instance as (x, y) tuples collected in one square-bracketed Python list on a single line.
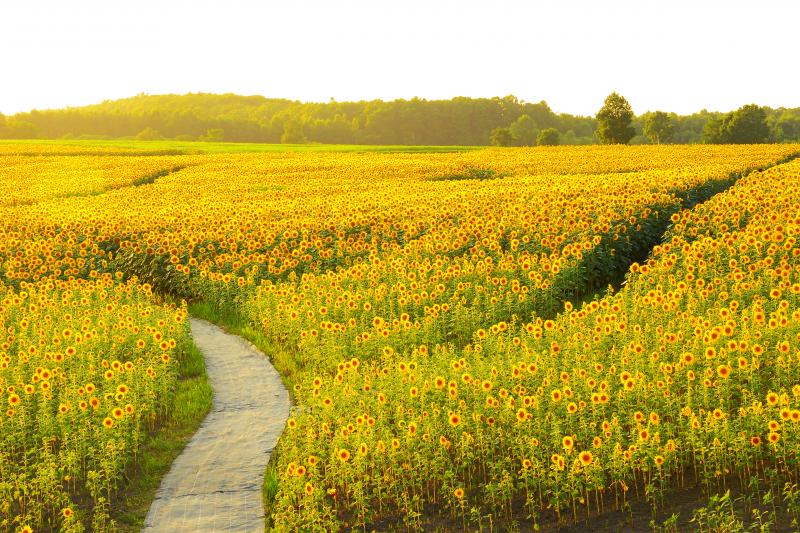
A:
[(224, 147), (443, 320)]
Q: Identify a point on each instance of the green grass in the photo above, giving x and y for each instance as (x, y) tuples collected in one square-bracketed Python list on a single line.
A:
[(269, 488), (184, 147), (192, 403)]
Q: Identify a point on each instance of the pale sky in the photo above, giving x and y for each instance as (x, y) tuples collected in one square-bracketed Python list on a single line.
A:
[(676, 55)]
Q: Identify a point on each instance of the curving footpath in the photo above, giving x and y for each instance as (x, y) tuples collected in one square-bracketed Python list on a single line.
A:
[(215, 484)]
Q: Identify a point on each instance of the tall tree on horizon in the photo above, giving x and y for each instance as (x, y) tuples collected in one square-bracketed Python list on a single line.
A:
[(614, 121), (658, 127)]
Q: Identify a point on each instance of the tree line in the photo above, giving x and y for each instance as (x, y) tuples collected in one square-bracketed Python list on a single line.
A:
[(506, 121)]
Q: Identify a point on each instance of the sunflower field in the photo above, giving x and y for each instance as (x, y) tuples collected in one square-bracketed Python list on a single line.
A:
[(472, 339)]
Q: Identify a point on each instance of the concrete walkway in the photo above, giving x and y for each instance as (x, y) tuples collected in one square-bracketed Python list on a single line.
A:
[(215, 484)]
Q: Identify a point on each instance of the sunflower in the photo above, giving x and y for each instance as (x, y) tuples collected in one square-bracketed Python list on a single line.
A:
[(772, 398), (586, 458)]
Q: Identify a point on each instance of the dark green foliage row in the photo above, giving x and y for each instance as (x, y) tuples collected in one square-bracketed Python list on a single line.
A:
[(459, 121), (146, 180), (229, 117), (469, 173)]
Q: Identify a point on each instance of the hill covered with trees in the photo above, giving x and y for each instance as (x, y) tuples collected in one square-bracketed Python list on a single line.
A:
[(458, 121)]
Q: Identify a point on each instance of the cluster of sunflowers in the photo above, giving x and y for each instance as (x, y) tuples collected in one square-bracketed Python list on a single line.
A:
[(87, 363), (421, 322), (86, 372), (684, 376)]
